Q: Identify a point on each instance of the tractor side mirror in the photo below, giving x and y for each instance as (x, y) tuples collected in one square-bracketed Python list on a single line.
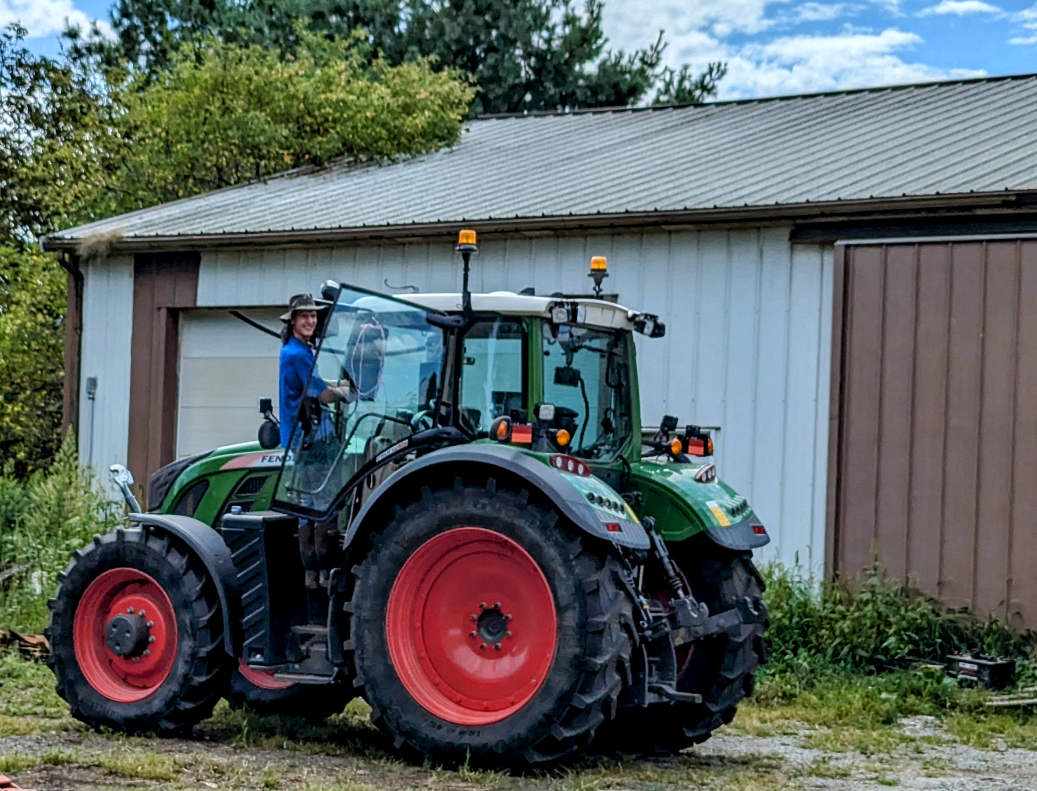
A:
[(270, 428)]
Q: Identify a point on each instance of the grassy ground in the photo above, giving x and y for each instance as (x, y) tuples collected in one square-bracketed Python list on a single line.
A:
[(842, 732)]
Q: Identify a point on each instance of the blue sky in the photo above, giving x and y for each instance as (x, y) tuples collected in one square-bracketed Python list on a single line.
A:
[(772, 46)]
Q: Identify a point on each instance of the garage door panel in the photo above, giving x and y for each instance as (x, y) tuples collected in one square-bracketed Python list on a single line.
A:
[(996, 424), (963, 410), (956, 366), (1022, 557), (226, 366), (227, 381), (894, 425), (932, 326)]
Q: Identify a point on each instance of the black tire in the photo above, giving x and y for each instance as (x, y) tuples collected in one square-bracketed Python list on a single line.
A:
[(580, 690), (722, 669), (200, 668), (313, 702)]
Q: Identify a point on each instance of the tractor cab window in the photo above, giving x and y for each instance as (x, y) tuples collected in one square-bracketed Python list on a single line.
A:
[(492, 373), (587, 378), (385, 360)]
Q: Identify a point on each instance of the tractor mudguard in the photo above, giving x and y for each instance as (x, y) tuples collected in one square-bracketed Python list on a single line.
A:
[(682, 506), (611, 526), (207, 544)]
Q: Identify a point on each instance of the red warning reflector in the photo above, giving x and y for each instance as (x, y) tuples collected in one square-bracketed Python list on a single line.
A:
[(759, 530), (614, 527), (522, 434)]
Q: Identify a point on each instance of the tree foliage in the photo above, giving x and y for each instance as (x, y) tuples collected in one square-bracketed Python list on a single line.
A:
[(222, 114), (525, 55), (32, 307)]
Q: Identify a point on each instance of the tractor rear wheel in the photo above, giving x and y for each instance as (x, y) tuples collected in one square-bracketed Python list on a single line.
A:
[(136, 635), (722, 668), (259, 692), (485, 628)]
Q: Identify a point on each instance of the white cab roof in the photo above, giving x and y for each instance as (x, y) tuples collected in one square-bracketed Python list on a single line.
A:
[(599, 313)]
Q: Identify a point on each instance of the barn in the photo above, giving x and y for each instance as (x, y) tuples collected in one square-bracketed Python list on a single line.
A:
[(848, 281)]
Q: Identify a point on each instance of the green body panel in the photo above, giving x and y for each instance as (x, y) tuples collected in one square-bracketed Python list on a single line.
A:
[(680, 505), (588, 485), (224, 469)]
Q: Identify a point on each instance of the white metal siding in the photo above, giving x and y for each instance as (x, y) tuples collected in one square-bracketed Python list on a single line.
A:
[(104, 424), (747, 346)]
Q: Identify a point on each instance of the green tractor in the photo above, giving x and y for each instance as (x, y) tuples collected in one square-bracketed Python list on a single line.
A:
[(478, 542)]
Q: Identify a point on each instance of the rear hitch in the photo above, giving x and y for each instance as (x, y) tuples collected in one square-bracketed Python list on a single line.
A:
[(690, 621)]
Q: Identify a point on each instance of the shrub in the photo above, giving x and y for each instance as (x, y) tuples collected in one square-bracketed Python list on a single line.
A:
[(873, 625), (48, 517)]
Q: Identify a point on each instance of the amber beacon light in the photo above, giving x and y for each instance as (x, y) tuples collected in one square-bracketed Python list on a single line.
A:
[(599, 271)]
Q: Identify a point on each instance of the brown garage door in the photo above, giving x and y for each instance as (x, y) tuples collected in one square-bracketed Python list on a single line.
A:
[(935, 400)]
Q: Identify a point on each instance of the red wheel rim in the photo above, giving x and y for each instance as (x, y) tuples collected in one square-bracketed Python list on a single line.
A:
[(454, 595), (264, 679), (117, 592)]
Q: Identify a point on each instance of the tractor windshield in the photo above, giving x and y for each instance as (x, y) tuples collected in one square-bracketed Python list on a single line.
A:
[(378, 364), (587, 378)]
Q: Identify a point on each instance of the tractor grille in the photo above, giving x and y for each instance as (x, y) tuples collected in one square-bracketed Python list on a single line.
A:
[(246, 493)]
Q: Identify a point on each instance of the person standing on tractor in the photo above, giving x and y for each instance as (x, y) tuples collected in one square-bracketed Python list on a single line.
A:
[(301, 392)]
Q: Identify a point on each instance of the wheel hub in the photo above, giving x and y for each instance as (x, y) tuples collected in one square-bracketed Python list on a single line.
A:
[(127, 635), (491, 625)]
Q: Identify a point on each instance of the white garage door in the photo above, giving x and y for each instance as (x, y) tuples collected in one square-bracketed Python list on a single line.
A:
[(226, 366)]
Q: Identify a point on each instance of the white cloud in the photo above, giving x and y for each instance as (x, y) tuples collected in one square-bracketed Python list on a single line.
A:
[(851, 59), (1028, 19), (44, 17), (818, 12), (960, 8)]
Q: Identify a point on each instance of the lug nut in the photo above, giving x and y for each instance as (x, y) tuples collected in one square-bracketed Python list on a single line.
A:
[(151, 638), (471, 634), (496, 605), (507, 617), (474, 617), (497, 646), (147, 652), (149, 624), (129, 610), (142, 613), (482, 605), (507, 633), (482, 646)]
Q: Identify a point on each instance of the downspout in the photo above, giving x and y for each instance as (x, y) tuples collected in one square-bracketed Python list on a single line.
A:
[(73, 338)]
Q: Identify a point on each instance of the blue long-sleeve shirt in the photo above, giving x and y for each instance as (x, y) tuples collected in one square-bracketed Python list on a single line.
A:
[(296, 363)]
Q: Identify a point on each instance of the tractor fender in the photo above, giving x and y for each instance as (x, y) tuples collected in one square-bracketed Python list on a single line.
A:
[(549, 482), (207, 544), (749, 534)]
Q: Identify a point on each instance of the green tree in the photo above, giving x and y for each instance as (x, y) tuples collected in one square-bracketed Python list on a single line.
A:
[(32, 307), (222, 114), (525, 55)]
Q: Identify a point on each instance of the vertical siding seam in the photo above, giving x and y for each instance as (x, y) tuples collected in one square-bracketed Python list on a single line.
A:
[(728, 267), (974, 585), (880, 429), (917, 258), (1015, 418), (786, 378), (949, 261), (668, 342)]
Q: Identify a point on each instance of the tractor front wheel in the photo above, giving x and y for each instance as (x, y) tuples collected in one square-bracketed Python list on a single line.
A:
[(485, 628), (136, 635)]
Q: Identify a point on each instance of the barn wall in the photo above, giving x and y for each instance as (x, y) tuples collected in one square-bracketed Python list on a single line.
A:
[(106, 336), (747, 347)]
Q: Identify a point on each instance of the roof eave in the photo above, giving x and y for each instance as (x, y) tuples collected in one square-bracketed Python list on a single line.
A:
[(665, 220)]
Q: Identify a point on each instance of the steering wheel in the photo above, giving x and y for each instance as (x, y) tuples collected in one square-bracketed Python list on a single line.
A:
[(423, 420)]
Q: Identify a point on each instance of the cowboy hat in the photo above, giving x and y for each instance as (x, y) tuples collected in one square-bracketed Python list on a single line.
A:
[(300, 302)]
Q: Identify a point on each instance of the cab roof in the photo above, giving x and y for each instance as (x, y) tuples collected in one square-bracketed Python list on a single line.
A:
[(599, 312)]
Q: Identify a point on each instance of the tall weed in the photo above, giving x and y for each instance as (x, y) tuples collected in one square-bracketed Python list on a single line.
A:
[(875, 624), (47, 517)]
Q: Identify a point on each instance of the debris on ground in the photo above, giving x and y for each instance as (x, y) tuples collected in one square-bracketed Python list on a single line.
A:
[(31, 646)]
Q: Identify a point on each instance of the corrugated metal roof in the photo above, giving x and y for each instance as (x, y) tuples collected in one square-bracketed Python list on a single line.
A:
[(963, 137)]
